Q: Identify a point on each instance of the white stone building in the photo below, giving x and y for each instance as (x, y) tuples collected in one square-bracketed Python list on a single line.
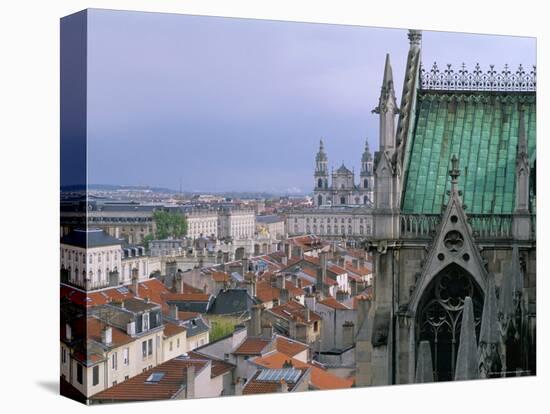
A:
[(237, 224), (202, 223), (331, 222)]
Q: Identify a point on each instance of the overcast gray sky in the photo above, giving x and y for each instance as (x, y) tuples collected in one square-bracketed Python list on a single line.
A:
[(230, 104)]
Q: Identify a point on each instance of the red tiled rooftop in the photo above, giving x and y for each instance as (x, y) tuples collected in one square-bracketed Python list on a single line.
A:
[(171, 329), (220, 277), (137, 389), (184, 316), (293, 310), (332, 303), (320, 379), (252, 346), (219, 367), (288, 346), (337, 270)]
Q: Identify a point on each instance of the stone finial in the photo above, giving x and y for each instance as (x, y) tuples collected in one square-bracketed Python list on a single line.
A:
[(424, 366), (415, 37), (467, 358), (454, 172)]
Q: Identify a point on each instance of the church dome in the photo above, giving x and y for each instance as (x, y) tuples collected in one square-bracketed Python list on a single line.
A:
[(343, 170)]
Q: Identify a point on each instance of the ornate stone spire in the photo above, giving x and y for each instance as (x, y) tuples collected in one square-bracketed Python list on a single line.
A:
[(489, 337), (424, 366), (387, 102), (321, 155), (387, 109), (415, 37), (467, 358), (367, 155)]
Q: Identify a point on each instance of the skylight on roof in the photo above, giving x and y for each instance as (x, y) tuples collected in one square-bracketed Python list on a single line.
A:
[(277, 375), (122, 290), (154, 378)]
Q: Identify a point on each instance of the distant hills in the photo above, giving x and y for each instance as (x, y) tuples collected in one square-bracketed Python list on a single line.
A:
[(227, 194)]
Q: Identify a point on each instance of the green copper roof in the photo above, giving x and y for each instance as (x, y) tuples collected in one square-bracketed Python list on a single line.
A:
[(481, 128)]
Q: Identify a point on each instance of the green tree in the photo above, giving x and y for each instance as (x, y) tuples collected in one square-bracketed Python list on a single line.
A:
[(147, 239), (169, 224)]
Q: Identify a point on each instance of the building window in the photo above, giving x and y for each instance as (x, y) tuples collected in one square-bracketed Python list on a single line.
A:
[(144, 349), (342, 200), (145, 321), (178, 343), (315, 326), (63, 356), (126, 356), (150, 344), (95, 375), (171, 344), (114, 361), (79, 373)]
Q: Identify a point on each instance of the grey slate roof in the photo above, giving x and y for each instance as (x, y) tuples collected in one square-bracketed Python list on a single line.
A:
[(232, 301), (195, 326), (269, 219), (87, 238)]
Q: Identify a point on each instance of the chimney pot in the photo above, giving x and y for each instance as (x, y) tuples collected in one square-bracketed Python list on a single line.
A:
[(107, 335)]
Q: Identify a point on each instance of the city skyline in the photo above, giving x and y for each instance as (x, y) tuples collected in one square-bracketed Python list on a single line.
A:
[(149, 88)]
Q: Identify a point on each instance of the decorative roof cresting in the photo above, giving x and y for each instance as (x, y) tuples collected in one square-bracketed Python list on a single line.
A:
[(478, 80)]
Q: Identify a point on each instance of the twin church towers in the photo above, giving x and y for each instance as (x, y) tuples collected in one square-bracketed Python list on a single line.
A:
[(342, 190)]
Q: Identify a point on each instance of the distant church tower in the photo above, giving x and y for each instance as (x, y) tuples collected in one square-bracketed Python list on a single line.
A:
[(367, 176), (321, 177)]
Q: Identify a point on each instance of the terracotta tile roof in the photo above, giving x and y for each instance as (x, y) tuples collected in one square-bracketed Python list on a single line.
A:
[(320, 379), (293, 310), (219, 367), (288, 346), (152, 289), (361, 271), (332, 303), (185, 316), (220, 277), (93, 333), (252, 346), (265, 292), (256, 386), (138, 389), (337, 270), (171, 329)]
